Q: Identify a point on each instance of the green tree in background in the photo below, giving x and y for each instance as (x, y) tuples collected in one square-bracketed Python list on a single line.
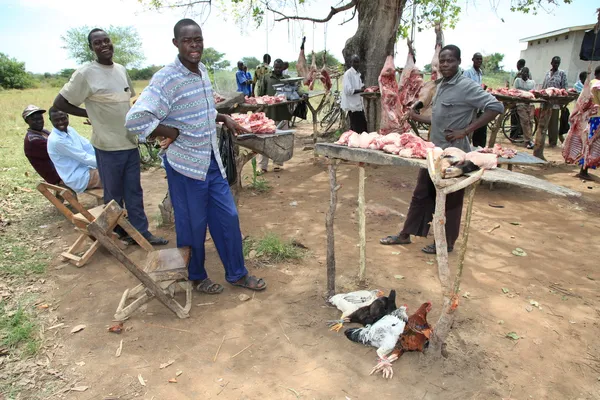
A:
[(126, 40), (491, 62), (143, 74), (66, 73), (331, 60), (427, 68), (214, 60), (251, 62), (13, 74)]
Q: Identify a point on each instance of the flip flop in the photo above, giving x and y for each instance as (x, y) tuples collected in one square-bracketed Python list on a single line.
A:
[(251, 282), (430, 249), (392, 240), (208, 287)]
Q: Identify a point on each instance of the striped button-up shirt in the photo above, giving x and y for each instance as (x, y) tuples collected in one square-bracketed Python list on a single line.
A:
[(182, 99)]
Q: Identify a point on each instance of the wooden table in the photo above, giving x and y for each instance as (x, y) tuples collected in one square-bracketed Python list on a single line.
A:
[(450, 290), (545, 115), (508, 102)]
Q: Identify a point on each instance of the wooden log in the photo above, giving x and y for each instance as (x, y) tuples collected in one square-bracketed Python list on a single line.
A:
[(446, 319), (362, 243), (495, 127), (167, 213), (329, 225)]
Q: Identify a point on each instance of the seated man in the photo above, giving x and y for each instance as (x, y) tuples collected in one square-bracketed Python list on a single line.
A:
[(72, 155), (36, 140)]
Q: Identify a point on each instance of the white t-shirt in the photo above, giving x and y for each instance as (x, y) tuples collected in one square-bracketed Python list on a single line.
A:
[(351, 82), (106, 91)]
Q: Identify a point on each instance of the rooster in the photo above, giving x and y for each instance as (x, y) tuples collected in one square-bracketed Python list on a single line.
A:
[(414, 338), (369, 313), (383, 334), (348, 303)]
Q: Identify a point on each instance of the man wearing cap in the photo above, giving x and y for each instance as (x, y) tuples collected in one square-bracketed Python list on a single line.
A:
[(105, 88), (36, 144)]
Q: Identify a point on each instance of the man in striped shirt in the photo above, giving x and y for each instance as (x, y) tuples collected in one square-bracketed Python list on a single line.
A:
[(178, 105)]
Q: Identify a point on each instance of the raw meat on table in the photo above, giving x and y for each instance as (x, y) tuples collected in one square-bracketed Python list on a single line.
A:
[(482, 160), (499, 151), (512, 93), (344, 138), (255, 122), (280, 98), (372, 89), (551, 92), (407, 144), (218, 98)]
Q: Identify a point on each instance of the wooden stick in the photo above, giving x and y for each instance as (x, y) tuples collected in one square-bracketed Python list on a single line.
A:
[(241, 351), (283, 330), (167, 327), (329, 220), (362, 244), (119, 349), (219, 349)]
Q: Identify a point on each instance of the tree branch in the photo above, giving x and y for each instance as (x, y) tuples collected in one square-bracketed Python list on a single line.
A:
[(332, 12), (189, 3), (351, 18)]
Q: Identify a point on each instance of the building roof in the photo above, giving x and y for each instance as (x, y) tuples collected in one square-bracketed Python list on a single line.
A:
[(558, 32)]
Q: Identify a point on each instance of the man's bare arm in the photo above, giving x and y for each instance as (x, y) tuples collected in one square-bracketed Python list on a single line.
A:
[(63, 105)]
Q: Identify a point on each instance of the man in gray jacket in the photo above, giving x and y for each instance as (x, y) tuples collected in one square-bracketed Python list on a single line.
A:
[(452, 120)]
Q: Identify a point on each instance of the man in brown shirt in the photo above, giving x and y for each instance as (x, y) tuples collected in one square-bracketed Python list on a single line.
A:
[(35, 146)]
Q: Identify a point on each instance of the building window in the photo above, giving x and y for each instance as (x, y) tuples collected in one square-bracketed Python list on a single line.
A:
[(539, 41), (556, 39), (531, 43), (547, 40), (566, 37)]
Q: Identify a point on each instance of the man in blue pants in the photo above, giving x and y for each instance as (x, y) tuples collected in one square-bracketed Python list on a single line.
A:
[(106, 90), (178, 105)]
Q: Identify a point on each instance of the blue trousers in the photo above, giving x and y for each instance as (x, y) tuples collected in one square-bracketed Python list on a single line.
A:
[(120, 175), (199, 203)]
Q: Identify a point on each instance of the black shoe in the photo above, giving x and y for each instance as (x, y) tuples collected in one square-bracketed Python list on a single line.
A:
[(153, 240), (530, 145)]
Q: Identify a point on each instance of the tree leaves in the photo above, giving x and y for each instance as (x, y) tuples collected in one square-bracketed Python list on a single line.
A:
[(126, 41)]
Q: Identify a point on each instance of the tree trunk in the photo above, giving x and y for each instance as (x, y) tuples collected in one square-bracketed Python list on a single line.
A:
[(374, 40)]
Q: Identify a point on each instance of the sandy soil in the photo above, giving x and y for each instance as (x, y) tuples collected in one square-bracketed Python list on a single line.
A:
[(294, 355)]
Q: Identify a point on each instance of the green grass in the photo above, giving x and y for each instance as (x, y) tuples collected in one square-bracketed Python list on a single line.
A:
[(272, 248), (257, 183), (18, 331), (21, 258)]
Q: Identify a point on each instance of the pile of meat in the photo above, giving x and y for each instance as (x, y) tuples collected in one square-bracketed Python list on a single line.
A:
[(550, 92), (523, 94), (372, 89), (280, 98), (405, 145), (256, 122), (218, 98), (578, 147), (499, 151)]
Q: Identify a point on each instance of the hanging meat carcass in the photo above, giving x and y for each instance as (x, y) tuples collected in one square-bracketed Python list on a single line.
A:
[(439, 43), (410, 86), (324, 74), (309, 80), (577, 146), (390, 99), (301, 66)]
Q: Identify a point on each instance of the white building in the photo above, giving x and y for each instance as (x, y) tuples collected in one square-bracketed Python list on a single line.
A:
[(565, 43)]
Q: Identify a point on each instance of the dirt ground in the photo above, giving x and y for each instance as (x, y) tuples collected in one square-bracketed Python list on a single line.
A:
[(292, 354)]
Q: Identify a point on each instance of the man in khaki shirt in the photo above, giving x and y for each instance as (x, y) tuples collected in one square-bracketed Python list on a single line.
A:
[(106, 90)]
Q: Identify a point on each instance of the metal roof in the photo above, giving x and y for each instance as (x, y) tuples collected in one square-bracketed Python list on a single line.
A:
[(558, 32)]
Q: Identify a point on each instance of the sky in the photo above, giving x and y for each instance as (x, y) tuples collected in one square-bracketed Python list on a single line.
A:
[(31, 30)]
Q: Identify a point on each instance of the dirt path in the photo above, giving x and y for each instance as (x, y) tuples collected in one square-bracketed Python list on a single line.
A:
[(552, 360)]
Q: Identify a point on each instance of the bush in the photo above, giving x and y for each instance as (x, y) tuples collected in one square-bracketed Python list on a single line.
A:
[(13, 74)]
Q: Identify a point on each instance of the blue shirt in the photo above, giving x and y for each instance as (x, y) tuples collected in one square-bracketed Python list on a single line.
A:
[(182, 99), (578, 86), (243, 84), (249, 88), (474, 75), (73, 156)]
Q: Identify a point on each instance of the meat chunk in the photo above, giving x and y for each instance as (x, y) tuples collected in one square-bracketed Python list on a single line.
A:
[(255, 122), (390, 110), (309, 80), (301, 66), (345, 137), (482, 160), (439, 43)]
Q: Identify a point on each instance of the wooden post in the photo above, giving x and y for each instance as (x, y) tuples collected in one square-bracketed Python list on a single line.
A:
[(496, 126), (444, 323), (362, 244), (329, 225)]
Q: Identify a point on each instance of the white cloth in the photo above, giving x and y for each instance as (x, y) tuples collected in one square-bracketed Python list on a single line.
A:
[(350, 101)]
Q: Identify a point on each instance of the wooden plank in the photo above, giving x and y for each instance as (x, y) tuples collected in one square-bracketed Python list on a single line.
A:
[(279, 146), (329, 221), (497, 175)]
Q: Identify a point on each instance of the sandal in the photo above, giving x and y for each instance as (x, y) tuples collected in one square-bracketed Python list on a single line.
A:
[(394, 239), (207, 286), (430, 249), (252, 283)]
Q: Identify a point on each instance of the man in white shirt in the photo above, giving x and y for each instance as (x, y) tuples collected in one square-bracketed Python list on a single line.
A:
[(476, 75), (351, 100)]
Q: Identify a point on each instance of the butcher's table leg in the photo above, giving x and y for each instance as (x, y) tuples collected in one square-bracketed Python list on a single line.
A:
[(329, 226), (362, 244), (497, 124)]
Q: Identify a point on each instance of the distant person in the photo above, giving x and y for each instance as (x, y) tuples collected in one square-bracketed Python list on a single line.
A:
[(36, 145), (177, 105), (520, 65), (579, 85), (555, 78), (72, 154), (594, 126), (515, 130), (260, 75), (241, 78), (249, 77), (106, 90), (476, 75), (525, 111), (352, 102)]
